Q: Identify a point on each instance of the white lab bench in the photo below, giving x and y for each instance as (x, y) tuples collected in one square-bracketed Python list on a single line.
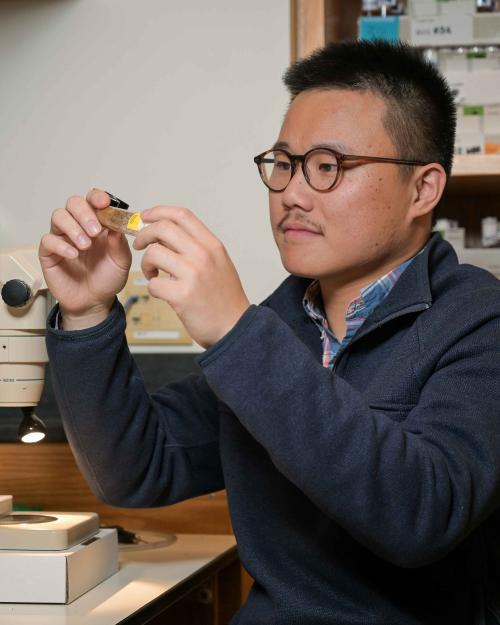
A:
[(147, 583)]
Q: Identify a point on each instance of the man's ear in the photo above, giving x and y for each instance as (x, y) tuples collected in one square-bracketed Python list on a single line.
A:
[(428, 183)]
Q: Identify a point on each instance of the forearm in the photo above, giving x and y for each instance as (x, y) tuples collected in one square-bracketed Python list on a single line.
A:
[(122, 437)]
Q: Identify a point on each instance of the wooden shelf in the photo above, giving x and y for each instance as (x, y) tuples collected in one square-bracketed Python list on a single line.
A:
[(478, 174), (476, 165)]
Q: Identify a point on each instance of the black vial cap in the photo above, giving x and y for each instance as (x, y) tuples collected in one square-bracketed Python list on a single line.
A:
[(116, 202)]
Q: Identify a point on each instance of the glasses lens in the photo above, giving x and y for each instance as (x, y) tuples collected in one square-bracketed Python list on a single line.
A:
[(321, 169), (276, 170)]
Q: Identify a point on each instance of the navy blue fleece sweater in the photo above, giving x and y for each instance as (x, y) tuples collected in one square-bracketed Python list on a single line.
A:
[(363, 495)]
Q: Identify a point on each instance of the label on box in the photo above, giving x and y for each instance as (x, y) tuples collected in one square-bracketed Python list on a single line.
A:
[(473, 110), (441, 30)]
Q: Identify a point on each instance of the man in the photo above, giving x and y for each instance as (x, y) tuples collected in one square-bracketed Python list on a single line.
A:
[(354, 416)]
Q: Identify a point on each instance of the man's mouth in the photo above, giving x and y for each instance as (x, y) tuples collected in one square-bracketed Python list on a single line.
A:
[(297, 229)]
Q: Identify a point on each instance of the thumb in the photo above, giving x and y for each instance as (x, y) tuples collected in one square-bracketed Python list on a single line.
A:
[(119, 249)]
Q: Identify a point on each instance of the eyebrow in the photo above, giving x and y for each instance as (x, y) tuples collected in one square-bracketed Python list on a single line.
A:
[(337, 146)]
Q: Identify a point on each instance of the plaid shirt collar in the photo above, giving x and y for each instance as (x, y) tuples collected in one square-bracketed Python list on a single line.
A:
[(357, 311)]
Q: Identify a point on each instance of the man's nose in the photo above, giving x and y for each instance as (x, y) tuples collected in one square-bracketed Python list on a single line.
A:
[(298, 193)]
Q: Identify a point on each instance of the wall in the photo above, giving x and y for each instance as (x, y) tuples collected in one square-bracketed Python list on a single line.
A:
[(132, 96)]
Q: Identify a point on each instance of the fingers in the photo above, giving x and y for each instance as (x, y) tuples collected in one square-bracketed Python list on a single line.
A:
[(98, 198), (81, 210), (76, 224), (119, 249), (168, 233), (52, 246), (183, 217), (158, 258), (179, 230)]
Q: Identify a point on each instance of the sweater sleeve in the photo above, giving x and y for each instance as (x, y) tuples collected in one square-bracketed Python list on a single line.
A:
[(134, 449), (409, 491)]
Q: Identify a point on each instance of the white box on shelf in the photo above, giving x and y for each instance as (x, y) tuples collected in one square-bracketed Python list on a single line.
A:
[(5, 505), (424, 8), (57, 576), (488, 259), (469, 143), (470, 119), (483, 61), (492, 119), (461, 29), (450, 60), (52, 531), (455, 236), (492, 143), (473, 88), (449, 30)]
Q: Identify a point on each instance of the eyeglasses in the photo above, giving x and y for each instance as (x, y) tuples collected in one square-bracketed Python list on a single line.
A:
[(321, 167)]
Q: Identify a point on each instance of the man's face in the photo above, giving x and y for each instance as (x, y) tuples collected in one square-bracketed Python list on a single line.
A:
[(363, 223)]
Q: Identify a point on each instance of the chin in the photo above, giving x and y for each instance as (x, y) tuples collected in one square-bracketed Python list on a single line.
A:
[(302, 269)]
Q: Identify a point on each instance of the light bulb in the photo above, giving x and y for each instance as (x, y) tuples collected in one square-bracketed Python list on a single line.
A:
[(32, 428)]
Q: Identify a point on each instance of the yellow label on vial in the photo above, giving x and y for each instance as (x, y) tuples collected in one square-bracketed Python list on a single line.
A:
[(135, 222)]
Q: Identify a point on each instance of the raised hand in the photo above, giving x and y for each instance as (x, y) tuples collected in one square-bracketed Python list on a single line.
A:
[(84, 264), (201, 282)]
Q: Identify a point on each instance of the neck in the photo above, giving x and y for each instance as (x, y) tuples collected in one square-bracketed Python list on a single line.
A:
[(336, 300), (339, 291)]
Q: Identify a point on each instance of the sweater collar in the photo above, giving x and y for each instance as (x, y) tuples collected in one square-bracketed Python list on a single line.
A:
[(411, 293)]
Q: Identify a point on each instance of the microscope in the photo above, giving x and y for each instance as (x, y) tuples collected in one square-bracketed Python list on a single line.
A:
[(24, 305), (45, 557)]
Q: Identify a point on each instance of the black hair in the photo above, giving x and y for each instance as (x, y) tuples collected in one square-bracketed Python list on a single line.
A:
[(421, 114)]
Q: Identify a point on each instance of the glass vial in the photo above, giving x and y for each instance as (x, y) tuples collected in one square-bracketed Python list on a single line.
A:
[(120, 220)]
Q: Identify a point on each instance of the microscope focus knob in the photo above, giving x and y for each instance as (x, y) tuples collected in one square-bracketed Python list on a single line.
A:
[(16, 293)]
